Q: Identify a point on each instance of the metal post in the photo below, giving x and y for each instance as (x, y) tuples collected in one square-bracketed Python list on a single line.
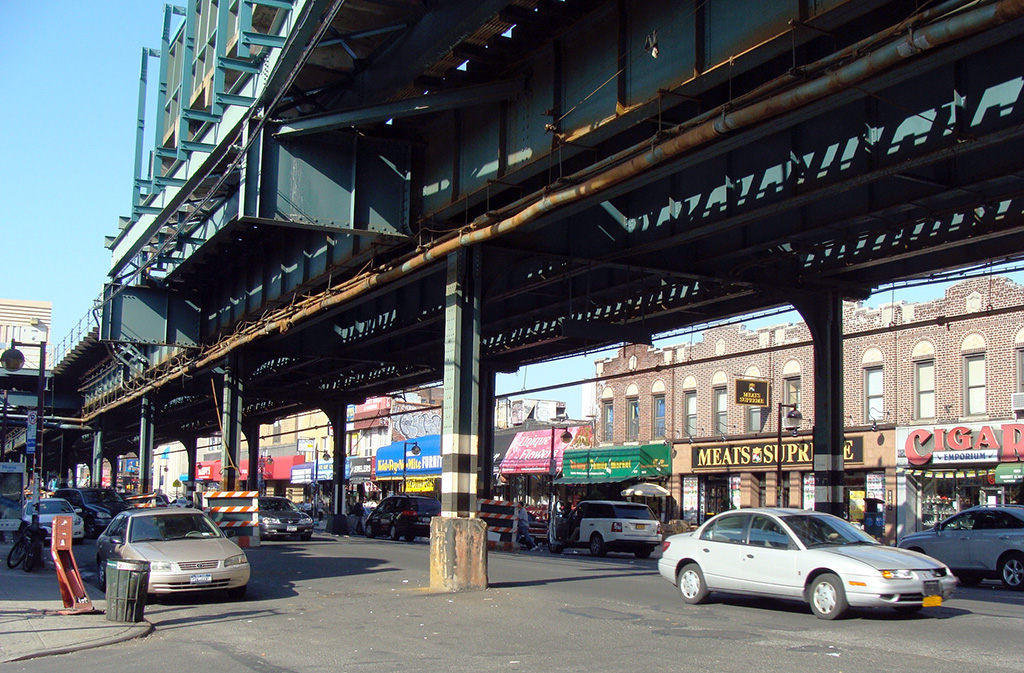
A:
[(3, 437), (778, 461), (37, 459), (551, 488)]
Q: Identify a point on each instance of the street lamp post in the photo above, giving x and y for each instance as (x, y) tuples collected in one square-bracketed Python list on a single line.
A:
[(13, 360), (566, 437), (792, 419), (405, 459), (316, 481)]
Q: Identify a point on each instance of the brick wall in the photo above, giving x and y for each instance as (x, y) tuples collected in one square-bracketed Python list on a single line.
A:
[(989, 308)]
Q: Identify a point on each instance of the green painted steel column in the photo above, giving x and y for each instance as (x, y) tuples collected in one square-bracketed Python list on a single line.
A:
[(823, 313), (251, 432), (146, 439), (96, 467), (460, 419), (338, 518), (231, 422)]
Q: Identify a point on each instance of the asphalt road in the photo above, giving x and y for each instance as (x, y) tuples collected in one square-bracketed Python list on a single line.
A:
[(352, 604)]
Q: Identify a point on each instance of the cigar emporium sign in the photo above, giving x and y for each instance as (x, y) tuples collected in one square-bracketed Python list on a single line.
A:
[(795, 453), (958, 444)]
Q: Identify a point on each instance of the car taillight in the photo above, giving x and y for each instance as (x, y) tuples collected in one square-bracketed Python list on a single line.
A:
[(410, 512), (616, 526), (665, 546)]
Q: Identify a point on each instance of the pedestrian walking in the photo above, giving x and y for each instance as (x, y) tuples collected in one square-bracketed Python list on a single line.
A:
[(525, 539)]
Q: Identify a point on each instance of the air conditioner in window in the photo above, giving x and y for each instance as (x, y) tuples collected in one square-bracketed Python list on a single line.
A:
[(1017, 403)]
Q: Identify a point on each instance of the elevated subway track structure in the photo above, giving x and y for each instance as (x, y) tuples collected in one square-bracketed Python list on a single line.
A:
[(352, 198)]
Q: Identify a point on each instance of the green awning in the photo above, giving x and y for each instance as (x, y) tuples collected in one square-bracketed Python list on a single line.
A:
[(1009, 473), (615, 463)]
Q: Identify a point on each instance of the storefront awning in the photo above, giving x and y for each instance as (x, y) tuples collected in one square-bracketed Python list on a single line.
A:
[(534, 451), (615, 464), (1009, 473)]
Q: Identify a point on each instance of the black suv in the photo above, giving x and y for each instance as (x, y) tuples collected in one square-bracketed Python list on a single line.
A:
[(98, 505), (405, 516)]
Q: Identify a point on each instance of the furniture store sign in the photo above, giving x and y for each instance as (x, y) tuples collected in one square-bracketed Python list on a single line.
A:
[(958, 444)]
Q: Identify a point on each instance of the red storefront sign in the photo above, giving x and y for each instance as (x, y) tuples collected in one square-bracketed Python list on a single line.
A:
[(987, 443), (532, 451)]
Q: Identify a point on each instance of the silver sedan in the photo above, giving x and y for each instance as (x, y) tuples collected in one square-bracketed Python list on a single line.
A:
[(798, 554), (185, 549)]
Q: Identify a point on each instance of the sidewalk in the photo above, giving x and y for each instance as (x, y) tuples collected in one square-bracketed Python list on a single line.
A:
[(30, 625)]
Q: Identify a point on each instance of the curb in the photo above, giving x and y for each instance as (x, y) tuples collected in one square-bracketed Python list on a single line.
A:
[(138, 631)]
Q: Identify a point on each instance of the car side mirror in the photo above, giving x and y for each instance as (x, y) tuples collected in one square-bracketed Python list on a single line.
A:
[(117, 539), (78, 510)]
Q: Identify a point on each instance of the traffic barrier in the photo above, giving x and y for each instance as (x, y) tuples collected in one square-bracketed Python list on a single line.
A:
[(143, 500), (237, 512), (502, 524), (72, 588)]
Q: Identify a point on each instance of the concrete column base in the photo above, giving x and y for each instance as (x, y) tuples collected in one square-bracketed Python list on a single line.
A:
[(458, 554)]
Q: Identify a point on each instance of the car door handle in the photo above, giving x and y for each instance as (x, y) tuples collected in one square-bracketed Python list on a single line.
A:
[(706, 550), (750, 556)]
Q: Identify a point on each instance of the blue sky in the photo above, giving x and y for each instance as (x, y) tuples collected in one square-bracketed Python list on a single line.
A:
[(69, 71)]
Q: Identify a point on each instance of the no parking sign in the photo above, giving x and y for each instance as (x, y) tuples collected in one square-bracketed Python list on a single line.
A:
[(30, 432)]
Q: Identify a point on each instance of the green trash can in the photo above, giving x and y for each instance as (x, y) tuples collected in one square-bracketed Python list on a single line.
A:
[(127, 587)]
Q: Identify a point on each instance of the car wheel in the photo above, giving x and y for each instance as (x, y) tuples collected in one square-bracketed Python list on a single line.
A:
[(691, 584), (644, 553), (371, 529), (409, 537), (101, 574), (597, 547), (90, 528), (827, 598), (555, 547), (237, 593), (393, 533), (1011, 571)]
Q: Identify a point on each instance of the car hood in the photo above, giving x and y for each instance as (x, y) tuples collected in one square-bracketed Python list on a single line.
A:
[(881, 557), (186, 550), (284, 515)]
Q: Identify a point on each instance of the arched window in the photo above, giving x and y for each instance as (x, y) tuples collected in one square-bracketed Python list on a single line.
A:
[(973, 351), (658, 410)]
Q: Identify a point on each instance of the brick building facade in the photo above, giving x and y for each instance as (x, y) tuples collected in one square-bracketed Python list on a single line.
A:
[(953, 361)]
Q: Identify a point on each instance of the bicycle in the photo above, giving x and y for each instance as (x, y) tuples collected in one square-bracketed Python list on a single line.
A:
[(27, 550)]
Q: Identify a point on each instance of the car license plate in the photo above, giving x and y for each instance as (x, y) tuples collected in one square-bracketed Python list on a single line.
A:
[(931, 588), (641, 526), (931, 601), (204, 578), (292, 529)]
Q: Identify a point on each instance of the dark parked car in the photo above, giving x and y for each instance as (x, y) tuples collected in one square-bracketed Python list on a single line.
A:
[(279, 517), (98, 505), (405, 516)]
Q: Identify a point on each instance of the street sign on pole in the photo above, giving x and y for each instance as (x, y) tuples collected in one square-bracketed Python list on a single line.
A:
[(30, 430)]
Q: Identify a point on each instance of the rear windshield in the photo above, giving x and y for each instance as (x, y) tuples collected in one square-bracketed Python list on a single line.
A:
[(633, 511), (428, 506)]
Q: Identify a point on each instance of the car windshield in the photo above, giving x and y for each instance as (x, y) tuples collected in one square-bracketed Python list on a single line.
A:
[(171, 527), (819, 531), (102, 498), (275, 505), (52, 507)]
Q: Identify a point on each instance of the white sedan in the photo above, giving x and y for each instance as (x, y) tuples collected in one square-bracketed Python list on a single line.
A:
[(51, 507), (799, 554)]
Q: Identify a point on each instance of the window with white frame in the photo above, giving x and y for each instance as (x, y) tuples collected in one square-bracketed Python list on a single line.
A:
[(791, 391), (690, 412), (607, 420), (924, 389), (632, 419), (658, 417), (874, 397), (974, 384), (754, 418), (720, 409)]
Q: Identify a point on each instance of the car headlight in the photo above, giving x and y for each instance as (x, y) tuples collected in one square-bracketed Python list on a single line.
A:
[(102, 515), (306, 519), (270, 519), (160, 566), (237, 560), (898, 574)]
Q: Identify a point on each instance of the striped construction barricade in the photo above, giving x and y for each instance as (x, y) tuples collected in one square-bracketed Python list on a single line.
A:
[(502, 524), (143, 500), (236, 513)]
